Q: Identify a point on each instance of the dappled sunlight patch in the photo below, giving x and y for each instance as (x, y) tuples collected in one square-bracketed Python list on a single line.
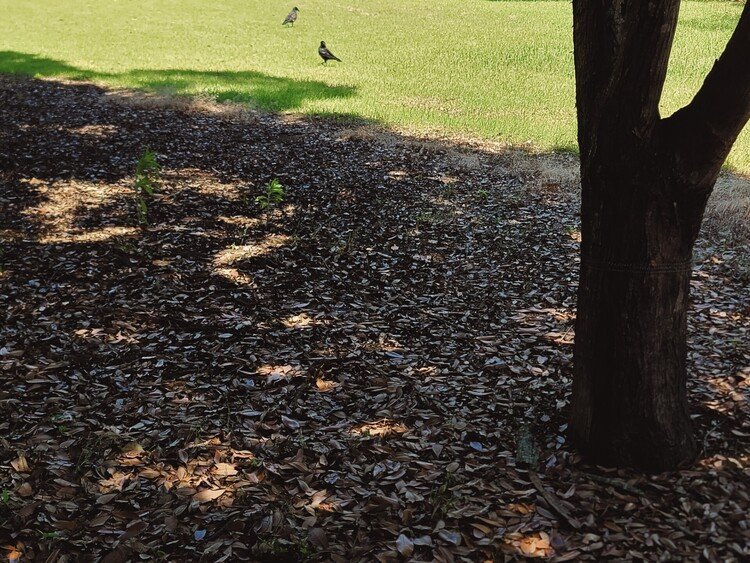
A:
[(720, 462), (100, 335), (324, 386), (303, 320), (382, 428), (561, 337), (281, 210), (9, 235), (729, 394), (427, 372), (178, 183), (209, 473), (173, 101), (235, 276), (241, 221), (555, 324), (235, 253), (99, 235), (529, 545), (97, 131), (313, 501), (274, 373), (64, 203), (725, 317), (398, 175)]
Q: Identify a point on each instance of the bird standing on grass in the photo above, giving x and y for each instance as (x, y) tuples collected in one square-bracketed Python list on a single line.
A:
[(292, 17), (325, 54)]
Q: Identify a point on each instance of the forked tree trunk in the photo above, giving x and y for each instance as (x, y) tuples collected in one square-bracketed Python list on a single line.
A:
[(645, 183)]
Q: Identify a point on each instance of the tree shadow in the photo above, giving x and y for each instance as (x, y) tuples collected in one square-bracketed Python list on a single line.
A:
[(27, 64), (179, 336), (256, 88), (75, 139)]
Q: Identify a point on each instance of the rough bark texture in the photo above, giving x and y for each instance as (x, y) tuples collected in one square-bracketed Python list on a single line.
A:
[(645, 183)]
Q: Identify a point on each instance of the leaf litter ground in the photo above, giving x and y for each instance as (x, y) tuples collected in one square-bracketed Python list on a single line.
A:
[(355, 374)]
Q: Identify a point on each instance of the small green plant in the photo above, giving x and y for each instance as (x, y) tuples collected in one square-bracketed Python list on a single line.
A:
[(273, 195), (482, 194), (441, 498), (243, 237), (268, 548), (348, 246), (147, 172), (304, 549), (127, 247), (6, 497)]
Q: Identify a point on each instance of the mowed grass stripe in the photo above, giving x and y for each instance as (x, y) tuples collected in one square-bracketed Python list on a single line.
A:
[(500, 70)]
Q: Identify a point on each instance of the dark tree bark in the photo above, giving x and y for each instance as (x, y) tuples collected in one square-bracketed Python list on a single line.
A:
[(645, 183)]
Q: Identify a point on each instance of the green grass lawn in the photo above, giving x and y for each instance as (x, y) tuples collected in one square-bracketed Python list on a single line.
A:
[(501, 70)]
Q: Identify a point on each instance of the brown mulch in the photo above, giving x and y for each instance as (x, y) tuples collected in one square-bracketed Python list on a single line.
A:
[(356, 374)]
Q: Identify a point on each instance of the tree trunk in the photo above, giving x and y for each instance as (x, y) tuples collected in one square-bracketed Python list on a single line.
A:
[(645, 183), (629, 395)]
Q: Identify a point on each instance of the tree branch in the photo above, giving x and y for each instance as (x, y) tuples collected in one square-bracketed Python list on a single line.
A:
[(622, 50), (703, 132)]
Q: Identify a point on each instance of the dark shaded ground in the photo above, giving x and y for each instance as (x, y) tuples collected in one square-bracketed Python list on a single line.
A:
[(351, 376)]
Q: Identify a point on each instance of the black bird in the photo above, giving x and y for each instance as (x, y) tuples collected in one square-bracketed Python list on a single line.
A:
[(292, 17), (325, 54)]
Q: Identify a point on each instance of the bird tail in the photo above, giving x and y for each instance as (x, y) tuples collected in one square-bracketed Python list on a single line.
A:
[(335, 58)]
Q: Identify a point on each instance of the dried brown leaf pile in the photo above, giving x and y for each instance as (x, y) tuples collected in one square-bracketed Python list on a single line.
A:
[(356, 375)]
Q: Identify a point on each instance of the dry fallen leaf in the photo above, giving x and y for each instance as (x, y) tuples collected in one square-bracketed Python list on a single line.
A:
[(207, 495), (134, 530), (450, 536), (105, 499), (407, 309), (20, 464), (290, 422), (149, 473), (404, 545), (132, 449), (25, 489), (318, 538), (225, 469), (325, 386)]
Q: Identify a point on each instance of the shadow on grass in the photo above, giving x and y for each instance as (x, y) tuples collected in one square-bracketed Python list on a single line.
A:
[(256, 88)]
